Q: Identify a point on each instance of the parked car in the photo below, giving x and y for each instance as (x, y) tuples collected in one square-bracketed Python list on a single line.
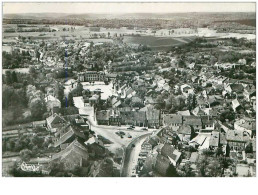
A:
[(129, 136), (122, 133), (129, 128)]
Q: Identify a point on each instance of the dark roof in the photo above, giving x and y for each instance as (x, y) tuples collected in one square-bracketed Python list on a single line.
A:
[(207, 120), (132, 116), (103, 115), (75, 147), (172, 119), (162, 164), (192, 120), (167, 150)]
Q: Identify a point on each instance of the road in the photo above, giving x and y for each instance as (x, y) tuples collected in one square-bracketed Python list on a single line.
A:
[(129, 156), (131, 153), (109, 132)]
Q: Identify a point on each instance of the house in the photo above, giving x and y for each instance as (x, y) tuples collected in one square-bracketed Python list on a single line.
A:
[(137, 118), (153, 117), (55, 122), (184, 113), (185, 133), (102, 117), (95, 147), (207, 124), (74, 155), (114, 118), (52, 102), (93, 100), (214, 140), (193, 121), (237, 140), (67, 134), (171, 153), (162, 164), (168, 155), (91, 76), (245, 124), (172, 120), (235, 105)]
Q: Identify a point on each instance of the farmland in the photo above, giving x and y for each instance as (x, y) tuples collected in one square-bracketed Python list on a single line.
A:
[(157, 43)]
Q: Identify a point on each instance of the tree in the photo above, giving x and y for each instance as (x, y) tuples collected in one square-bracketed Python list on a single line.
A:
[(8, 77), (191, 101), (160, 103), (38, 108), (186, 171), (14, 77), (59, 91), (25, 155), (70, 100)]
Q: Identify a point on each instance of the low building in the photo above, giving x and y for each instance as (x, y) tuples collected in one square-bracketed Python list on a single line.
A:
[(193, 121), (172, 120), (153, 118), (185, 133), (52, 102), (91, 76), (237, 140), (55, 122), (74, 155)]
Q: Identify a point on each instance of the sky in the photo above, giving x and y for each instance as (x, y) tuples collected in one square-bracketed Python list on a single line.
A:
[(78, 8)]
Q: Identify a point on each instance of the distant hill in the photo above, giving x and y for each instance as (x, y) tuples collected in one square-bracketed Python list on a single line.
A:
[(188, 15)]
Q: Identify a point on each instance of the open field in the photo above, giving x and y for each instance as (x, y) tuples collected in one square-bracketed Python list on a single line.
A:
[(158, 43)]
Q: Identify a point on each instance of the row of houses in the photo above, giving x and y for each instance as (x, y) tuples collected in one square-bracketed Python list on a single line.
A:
[(116, 117)]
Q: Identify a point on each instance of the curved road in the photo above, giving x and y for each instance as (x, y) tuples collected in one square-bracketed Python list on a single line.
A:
[(128, 157)]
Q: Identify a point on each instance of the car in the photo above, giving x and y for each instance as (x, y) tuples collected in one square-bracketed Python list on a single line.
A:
[(132, 126), (129, 128), (145, 129), (122, 133), (129, 136)]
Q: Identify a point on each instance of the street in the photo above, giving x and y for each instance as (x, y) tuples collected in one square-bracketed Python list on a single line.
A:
[(131, 154)]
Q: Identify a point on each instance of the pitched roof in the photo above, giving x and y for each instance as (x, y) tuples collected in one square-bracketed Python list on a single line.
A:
[(172, 119), (185, 129), (162, 164), (184, 113), (192, 120), (69, 132), (167, 150), (76, 148), (55, 120), (236, 135), (214, 140)]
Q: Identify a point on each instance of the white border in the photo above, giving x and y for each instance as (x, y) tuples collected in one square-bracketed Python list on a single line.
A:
[(132, 186)]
